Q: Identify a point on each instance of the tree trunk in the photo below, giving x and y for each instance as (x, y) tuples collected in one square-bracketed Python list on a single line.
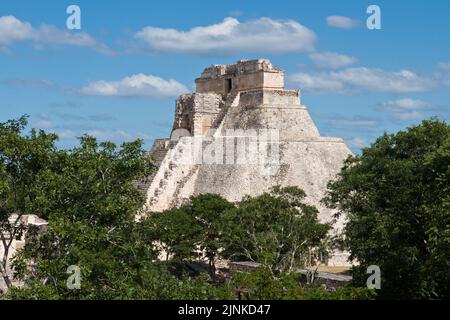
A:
[(5, 275), (212, 268)]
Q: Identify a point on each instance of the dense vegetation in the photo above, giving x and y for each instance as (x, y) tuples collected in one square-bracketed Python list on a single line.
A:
[(397, 198), (396, 195)]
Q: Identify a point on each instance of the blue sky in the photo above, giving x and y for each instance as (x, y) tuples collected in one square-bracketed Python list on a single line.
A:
[(118, 77)]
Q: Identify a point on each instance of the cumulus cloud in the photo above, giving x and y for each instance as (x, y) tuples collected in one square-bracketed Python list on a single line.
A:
[(68, 131), (70, 127), (13, 30), (356, 143), (357, 80), (406, 108), (332, 60), (444, 66), (231, 36), (353, 123), (444, 73), (405, 104), (43, 124), (101, 134), (138, 85), (342, 22)]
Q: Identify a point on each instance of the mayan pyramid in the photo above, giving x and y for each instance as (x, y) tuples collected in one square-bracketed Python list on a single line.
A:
[(240, 133)]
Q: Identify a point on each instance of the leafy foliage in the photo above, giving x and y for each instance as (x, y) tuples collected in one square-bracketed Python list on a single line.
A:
[(193, 230), (263, 285), (89, 200), (175, 232), (276, 229), (22, 159), (396, 197)]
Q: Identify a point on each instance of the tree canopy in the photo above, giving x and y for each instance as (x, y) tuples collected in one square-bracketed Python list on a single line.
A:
[(22, 160), (276, 229), (396, 197)]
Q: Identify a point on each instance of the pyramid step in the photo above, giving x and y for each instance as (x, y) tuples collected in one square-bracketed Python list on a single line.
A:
[(157, 155)]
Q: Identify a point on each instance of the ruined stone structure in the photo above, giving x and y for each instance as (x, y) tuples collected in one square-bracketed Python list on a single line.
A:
[(244, 102), (23, 223)]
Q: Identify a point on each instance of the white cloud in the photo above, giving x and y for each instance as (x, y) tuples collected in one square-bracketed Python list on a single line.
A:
[(447, 81), (109, 134), (444, 73), (410, 115), (317, 82), (230, 36), (342, 22), (332, 60), (138, 85), (406, 109), (405, 104), (356, 143), (357, 80), (43, 124), (68, 135), (444, 66), (74, 126), (13, 30), (101, 134), (353, 122)]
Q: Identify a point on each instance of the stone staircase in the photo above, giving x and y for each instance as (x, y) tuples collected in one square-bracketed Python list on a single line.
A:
[(170, 177), (176, 200), (231, 100), (165, 183), (156, 154)]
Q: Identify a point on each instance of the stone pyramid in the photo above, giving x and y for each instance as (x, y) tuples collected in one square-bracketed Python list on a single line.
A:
[(239, 134)]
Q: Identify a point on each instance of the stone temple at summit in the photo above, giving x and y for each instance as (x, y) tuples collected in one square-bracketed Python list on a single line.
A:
[(241, 133)]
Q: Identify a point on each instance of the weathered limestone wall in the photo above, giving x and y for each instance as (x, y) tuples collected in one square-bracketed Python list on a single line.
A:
[(171, 178), (196, 112), (273, 80), (218, 85), (271, 109), (256, 101), (245, 75), (309, 164), (258, 80), (17, 244), (270, 98)]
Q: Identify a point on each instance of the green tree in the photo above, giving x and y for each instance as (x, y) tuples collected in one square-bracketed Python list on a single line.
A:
[(276, 229), (22, 159), (193, 230), (396, 198), (208, 210), (262, 284), (90, 202), (175, 232)]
